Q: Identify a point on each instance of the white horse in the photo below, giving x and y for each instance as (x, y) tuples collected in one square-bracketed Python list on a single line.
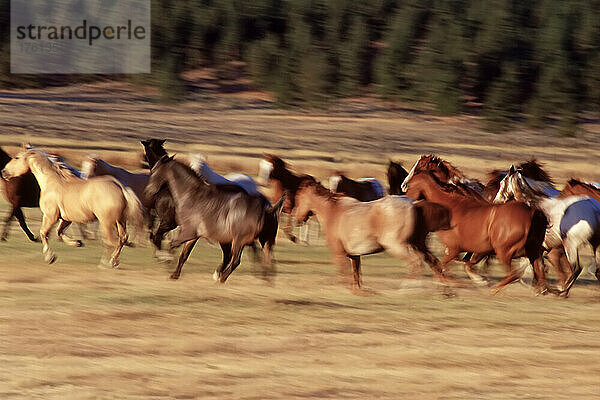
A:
[(200, 166), (574, 221)]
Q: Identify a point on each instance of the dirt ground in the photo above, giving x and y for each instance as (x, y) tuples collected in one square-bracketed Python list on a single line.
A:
[(73, 331)]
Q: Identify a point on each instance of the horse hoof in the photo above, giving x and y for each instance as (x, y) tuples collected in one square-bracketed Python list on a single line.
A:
[(130, 244), (174, 277), (4, 237), (50, 258), (78, 243), (293, 239), (215, 276)]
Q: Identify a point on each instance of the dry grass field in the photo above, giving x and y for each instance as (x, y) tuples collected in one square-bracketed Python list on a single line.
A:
[(73, 331)]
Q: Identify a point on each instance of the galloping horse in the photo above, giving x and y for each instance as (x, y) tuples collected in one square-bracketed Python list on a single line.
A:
[(221, 213), (354, 228), (198, 163), (509, 230), (273, 171), (95, 166), (363, 189), (22, 191), (532, 170), (576, 187), (396, 174), (68, 198), (574, 220), (444, 172)]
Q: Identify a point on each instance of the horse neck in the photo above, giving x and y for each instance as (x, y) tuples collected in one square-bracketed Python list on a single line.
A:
[(44, 172), (436, 194), (323, 207), (181, 181)]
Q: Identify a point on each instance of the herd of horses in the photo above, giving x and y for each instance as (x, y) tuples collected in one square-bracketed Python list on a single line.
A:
[(518, 213)]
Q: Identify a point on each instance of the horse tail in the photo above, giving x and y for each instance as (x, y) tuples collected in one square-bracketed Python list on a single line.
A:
[(134, 210), (536, 234)]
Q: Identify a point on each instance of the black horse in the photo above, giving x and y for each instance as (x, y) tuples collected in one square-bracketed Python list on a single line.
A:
[(221, 213), (21, 191), (396, 175)]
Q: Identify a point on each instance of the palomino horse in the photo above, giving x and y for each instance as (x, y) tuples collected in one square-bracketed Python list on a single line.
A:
[(532, 170), (69, 199), (355, 228), (95, 166), (396, 174), (198, 163), (444, 172), (574, 220), (274, 172), (22, 191), (225, 214), (363, 189), (509, 230)]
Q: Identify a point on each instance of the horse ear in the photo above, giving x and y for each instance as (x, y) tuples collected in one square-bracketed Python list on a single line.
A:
[(162, 141), (171, 158), (26, 146), (511, 170)]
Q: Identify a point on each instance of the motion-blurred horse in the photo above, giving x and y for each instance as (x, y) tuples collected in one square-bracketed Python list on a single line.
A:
[(445, 172), (532, 170), (362, 189), (198, 163), (274, 172), (510, 230), (68, 198), (574, 220), (353, 228), (396, 174), (225, 214)]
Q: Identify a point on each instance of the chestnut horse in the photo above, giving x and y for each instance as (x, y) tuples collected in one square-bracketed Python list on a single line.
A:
[(509, 230), (576, 187), (353, 228), (444, 172), (274, 172)]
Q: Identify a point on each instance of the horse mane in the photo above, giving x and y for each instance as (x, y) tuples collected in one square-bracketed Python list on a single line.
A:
[(575, 182), (56, 163), (533, 169), (444, 165), (495, 177), (458, 188), (309, 181), (4, 158)]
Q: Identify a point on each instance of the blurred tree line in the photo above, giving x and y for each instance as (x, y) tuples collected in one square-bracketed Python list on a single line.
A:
[(507, 59)]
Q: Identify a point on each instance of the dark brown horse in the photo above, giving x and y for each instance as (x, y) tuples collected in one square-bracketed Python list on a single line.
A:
[(224, 214), (396, 174), (274, 172), (21, 191), (509, 230), (363, 189), (531, 169)]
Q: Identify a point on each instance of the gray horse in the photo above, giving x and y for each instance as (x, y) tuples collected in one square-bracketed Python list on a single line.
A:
[(223, 214)]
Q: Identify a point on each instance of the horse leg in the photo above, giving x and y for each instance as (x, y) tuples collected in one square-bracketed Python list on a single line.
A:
[(122, 236), (236, 253), (556, 258), (475, 277), (597, 263), (288, 229), (7, 222), (512, 273), (18, 214), (110, 241), (572, 252), (355, 262), (226, 249), (185, 253), (163, 227), (48, 221), (61, 235)]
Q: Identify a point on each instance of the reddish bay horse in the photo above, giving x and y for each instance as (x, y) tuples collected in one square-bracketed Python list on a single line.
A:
[(576, 187), (274, 172), (508, 230), (444, 172), (354, 228)]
